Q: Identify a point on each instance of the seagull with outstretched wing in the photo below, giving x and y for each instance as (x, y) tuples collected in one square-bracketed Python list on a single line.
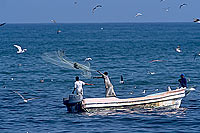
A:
[(2, 24), (87, 59), (54, 21), (97, 6), (25, 100), (196, 20), (182, 5), (121, 80), (20, 50), (162, 0), (138, 14)]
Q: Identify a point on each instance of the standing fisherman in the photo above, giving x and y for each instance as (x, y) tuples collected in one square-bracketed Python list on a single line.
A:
[(108, 85), (183, 81), (78, 86)]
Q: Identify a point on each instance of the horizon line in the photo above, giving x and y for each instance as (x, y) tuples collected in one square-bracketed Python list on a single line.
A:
[(92, 22)]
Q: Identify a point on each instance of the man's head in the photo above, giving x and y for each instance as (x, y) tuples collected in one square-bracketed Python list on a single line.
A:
[(106, 73), (182, 75), (77, 78)]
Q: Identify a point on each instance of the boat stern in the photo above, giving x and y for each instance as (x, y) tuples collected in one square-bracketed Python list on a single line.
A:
[(73, 103)]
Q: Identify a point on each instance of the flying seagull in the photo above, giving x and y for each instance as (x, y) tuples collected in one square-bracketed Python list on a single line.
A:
[(138, 14), (2, 24), (162, 0), (196, 20), (182, 5), (121, 80), (54, 21), (20, 49), (25, 100), (97, 6), (88, 59), (166, 9)]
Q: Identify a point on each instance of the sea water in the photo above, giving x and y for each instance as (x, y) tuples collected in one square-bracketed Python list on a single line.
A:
[(118, 48)]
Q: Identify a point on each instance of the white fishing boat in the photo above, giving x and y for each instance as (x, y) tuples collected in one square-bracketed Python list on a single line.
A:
[(170, 99)]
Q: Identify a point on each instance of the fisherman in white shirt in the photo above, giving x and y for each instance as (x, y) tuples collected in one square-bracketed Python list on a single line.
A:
[(78, 86), (108, 85)]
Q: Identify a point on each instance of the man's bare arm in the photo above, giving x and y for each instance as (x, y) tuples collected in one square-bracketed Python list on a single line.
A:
[(88, 84), (100, 72), (97, 77)]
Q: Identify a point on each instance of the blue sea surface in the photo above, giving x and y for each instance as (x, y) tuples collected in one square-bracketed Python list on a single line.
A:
[(120, 49)]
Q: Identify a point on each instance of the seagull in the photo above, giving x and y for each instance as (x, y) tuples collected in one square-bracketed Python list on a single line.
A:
[(42, 81), (144, 91), (25, 100), (196, 55), (156, 61), (192, 89), (87, 59), (138, 14), (54, 21), (152, 73), (2, 24), (182, 5), (131, 92), (20, 49), (97, 6), (169, 88), (121, 80), (162, 0), (101, 28), (156, 90), (178, 49), (58, 31), (196, 20), (166, 9)]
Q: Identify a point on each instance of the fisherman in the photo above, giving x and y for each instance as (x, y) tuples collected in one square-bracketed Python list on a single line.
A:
[(78, 86), (183, 81), (108, 85)]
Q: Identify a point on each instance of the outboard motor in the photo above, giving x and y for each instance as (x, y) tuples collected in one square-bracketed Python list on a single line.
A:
[(73, 103)]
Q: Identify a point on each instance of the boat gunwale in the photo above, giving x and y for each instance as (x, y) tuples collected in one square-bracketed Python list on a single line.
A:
[(129, 100)]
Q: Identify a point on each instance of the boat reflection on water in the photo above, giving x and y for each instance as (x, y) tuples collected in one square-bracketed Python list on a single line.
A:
[(148, 112)]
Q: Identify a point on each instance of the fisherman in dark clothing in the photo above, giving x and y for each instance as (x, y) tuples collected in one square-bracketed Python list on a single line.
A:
[(183, 81)]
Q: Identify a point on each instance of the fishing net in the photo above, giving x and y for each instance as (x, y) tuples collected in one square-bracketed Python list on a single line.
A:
[(58, 58)]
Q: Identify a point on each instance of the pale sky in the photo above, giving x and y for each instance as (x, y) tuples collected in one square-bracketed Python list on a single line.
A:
[(65, 11)]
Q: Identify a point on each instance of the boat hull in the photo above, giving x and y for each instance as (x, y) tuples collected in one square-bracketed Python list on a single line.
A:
[(169, 99)]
